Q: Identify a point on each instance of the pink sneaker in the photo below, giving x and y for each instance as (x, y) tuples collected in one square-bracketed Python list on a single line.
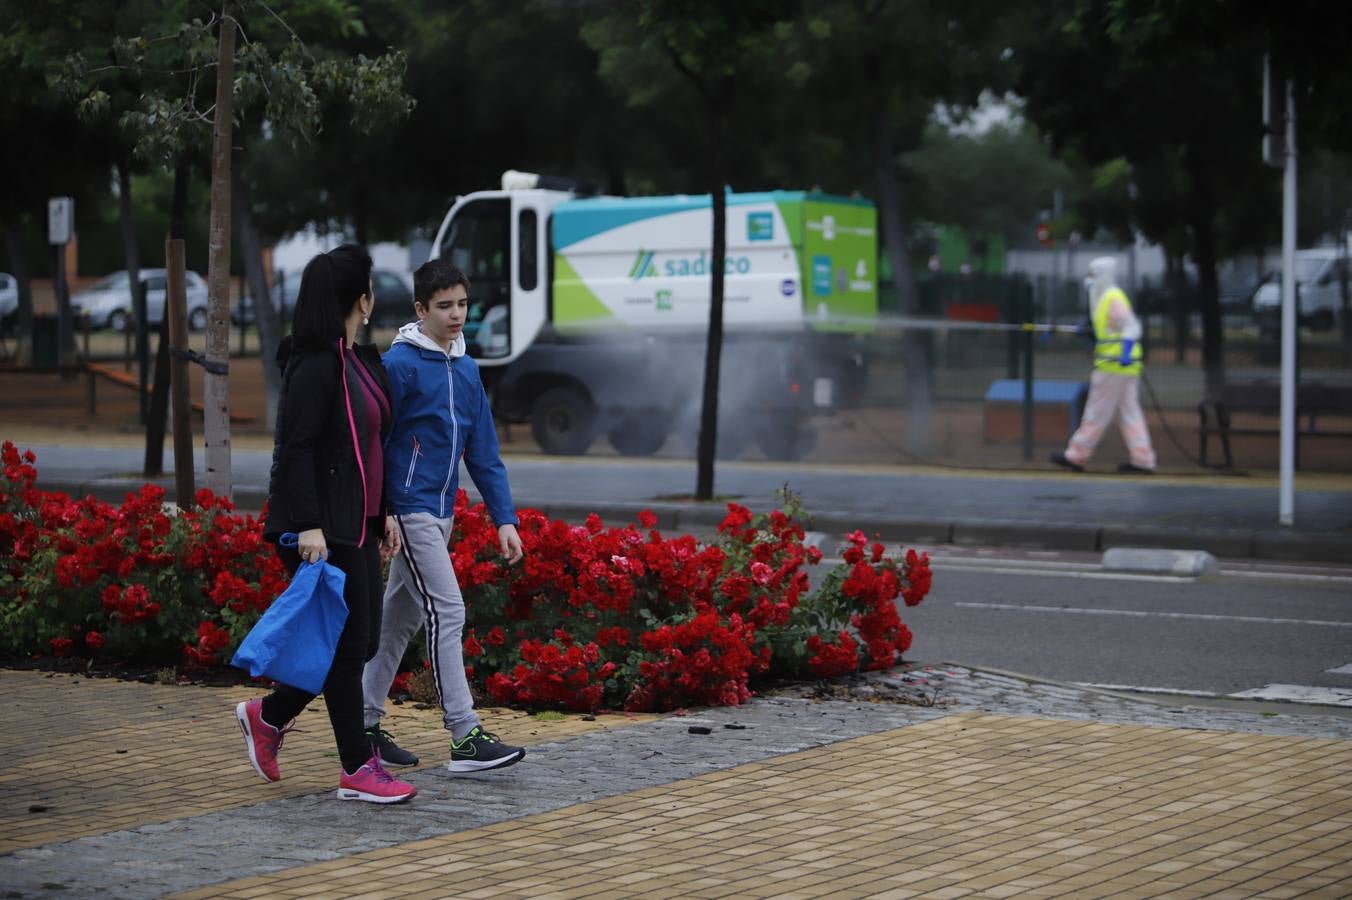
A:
[(373, 784), (263, 740)]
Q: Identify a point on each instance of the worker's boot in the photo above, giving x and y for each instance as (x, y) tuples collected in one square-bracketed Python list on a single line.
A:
[(1061, 460)]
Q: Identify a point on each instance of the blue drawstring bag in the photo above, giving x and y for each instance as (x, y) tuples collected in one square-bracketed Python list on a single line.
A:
[(296, 637)]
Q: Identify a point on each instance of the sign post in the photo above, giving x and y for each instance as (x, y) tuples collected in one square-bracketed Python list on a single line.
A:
[(60, 229)]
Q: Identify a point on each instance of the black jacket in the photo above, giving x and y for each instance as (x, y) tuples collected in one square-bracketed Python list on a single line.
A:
[(315, 481)]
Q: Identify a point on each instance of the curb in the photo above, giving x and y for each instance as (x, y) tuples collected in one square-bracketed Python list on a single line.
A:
[(1189, 563), (1273, 544)]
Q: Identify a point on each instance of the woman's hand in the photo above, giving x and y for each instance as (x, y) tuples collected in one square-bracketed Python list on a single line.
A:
[(311, 545), (390, 545), (510, 543)]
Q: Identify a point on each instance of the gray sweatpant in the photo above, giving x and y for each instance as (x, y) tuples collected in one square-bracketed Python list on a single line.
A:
[(422, 590)]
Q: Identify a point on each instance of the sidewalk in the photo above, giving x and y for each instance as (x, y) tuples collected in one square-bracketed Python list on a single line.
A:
[(985, 784), (1230, 517)]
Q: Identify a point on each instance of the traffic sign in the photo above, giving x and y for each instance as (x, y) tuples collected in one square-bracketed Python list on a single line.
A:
[(60, 220), (1044, 234)]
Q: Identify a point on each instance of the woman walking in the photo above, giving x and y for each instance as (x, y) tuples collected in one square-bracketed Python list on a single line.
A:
[(326, 486)]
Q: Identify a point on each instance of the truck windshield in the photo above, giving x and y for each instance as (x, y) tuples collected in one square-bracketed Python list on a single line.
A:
[(478, 242)]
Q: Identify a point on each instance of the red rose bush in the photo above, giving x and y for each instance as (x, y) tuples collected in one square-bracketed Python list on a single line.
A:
[(134, 582), (593, 617)]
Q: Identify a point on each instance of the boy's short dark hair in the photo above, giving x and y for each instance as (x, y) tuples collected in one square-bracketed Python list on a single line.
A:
[(435, 276)]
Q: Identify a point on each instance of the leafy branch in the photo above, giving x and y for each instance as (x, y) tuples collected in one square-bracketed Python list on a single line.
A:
[(287, 87)]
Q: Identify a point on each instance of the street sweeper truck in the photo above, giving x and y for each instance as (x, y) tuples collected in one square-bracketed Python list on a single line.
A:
[(589, 314)]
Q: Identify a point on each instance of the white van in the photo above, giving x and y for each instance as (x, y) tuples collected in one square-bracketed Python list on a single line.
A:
[(1318, 273)]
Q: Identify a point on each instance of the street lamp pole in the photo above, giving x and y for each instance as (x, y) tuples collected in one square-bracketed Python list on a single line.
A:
[(1286, 503)]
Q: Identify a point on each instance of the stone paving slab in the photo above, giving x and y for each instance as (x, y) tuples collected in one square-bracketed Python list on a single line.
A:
[(994, 805), (93, 755), (268, 833)]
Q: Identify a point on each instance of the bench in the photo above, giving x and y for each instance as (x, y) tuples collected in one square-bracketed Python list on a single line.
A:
[(1057, 407), (1262, 395)]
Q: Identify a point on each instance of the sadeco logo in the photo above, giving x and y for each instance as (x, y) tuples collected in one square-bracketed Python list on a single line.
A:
[(645, 266)]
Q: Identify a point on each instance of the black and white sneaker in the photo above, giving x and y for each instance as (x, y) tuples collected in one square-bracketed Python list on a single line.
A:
[(391, 754), (480, 750)]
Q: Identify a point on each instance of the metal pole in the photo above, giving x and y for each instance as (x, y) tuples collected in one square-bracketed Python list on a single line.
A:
[(65, 337), (1286, 504), (1028, 382)]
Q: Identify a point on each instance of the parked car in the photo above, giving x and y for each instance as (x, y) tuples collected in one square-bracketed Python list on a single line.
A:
[(9, 300), (394, 299), (1318, 276), (108, 302)]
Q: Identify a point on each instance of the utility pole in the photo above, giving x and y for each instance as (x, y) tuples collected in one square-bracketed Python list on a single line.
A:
[(1286, 157)]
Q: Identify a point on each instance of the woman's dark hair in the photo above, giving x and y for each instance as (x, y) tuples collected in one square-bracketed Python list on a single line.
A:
[(329, 288)]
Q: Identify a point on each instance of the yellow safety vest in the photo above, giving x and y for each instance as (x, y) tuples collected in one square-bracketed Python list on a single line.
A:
[(1108, 343)]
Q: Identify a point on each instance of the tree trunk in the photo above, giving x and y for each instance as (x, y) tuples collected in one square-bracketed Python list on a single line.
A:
[(1175, 289), (918, 390), (215, 386), (361, 219), (23, 323), (1344, 295), (1202, 214), (158, 416), (266, 316), (178, 213), (131, 252), (713, 348)]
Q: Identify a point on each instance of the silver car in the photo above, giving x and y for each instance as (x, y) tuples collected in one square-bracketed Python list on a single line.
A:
[(108, 302), (9, 298)]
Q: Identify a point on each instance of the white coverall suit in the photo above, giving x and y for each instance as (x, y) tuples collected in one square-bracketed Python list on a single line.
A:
[(1115, 385)]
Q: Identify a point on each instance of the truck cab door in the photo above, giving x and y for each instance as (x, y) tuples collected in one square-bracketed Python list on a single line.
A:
[(479, 243)]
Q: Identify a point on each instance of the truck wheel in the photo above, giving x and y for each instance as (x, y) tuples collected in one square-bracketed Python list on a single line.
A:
[(563, 422), (785, 441), (639, 435)]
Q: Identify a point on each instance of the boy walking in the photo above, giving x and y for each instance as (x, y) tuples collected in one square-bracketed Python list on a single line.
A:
[(439, 413)]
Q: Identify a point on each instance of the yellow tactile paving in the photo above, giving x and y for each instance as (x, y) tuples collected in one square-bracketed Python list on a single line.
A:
[(92, 755), (971, 804)]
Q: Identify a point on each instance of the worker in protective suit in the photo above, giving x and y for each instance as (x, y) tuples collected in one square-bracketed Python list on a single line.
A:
[(1115, 385)]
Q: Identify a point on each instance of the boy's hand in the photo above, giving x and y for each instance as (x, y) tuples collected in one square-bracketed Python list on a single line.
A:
[(510, 543), (389, 547)]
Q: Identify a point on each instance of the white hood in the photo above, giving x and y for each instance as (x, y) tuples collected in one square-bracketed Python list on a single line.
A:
[(1102, 278), (412, 333)]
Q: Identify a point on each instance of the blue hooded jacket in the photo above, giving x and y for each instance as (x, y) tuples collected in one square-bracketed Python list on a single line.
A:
[(440, 412)]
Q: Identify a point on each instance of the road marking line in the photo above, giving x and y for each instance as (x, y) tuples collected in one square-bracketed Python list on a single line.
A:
[(1341, 670), (1268, 574), (1141, 689), (1061, 568), (1289, 693), (1058, 573), (1148, 614), (1299, 693)]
